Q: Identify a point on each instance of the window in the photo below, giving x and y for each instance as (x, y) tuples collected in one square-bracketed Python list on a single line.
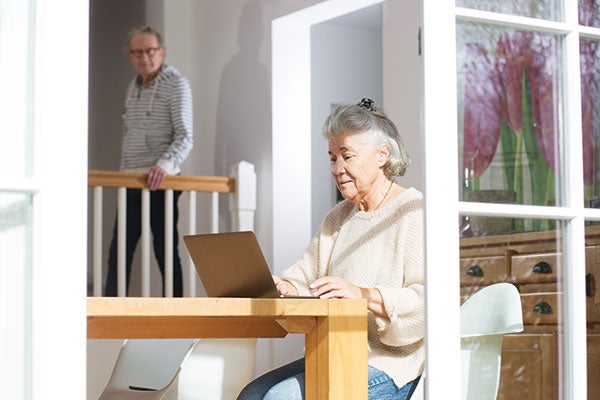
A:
[(16, 198), (43, 125), (525, 95)]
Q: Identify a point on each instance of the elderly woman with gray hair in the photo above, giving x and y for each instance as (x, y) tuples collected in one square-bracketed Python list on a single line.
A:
[(369, 246)]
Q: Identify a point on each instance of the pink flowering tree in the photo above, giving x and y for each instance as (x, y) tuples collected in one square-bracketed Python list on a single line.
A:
[(511, 103)]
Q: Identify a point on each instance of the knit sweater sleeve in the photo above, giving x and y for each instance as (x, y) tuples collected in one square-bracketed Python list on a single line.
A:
[(404, 305)]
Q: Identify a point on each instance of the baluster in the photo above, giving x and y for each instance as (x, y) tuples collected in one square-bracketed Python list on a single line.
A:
[(191, 281), (97, 242), (168, 243), (121, 247), (242, 203), (145, 250), (214, 216)]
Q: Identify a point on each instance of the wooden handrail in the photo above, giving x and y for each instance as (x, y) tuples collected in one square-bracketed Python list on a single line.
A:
[(240, 186), (222, 184)]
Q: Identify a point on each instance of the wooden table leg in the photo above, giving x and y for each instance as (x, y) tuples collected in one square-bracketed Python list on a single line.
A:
[(336, 354)]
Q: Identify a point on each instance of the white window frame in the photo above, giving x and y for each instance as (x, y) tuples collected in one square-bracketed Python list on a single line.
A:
[(58, 186), (60, 205), (572, 212), (442, 336)]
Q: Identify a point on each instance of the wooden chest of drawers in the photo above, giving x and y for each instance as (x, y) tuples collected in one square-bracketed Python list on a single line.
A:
[(533, 263)]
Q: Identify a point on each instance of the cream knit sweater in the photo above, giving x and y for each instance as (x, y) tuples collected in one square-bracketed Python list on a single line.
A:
[(381, 249)]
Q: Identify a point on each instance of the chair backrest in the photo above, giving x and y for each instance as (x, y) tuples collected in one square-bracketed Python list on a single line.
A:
[(495, 309), (182, 369), (148, 363), (485, 318)]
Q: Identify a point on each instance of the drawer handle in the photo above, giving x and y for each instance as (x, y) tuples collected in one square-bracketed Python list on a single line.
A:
[(542, 268), (590, 285), (475, 270), (542, 308)]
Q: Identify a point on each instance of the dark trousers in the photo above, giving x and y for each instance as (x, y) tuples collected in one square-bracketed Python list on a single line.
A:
[(134, 231)]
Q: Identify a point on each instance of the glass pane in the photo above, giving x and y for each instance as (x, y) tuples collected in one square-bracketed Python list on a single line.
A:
[(589, 14), (15, 79), (543, 9), (509, 92), (530, 266), (15, 250), (590, 80)]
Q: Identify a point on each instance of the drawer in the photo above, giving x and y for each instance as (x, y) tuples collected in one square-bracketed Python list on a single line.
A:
[(593, 313), (535, 268), (592, 278), (482, 271), (540, 288), (541, 308)]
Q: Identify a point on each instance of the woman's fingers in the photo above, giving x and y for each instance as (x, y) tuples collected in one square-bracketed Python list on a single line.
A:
[(331, 286)]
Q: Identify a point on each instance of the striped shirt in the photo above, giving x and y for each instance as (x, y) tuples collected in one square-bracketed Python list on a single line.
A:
[(157, 123)]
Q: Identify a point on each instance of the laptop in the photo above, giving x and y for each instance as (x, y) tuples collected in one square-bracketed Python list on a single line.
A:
[(232, 264)]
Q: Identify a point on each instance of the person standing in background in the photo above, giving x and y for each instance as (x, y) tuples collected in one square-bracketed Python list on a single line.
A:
[(157, 138)]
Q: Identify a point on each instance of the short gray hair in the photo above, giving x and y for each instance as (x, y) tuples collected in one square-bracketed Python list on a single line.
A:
[(142, 30), (357, 119)]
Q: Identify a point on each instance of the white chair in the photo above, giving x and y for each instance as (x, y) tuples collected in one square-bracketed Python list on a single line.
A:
[(485, 318), (181, 369)]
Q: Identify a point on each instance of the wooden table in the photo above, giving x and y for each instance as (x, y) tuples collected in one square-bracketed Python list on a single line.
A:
[(335, 330)]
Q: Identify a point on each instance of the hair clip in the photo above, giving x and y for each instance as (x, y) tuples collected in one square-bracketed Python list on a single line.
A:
[(366, 104)]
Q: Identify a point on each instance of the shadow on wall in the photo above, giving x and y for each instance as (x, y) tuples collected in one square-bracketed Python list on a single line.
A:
[(243, 110)]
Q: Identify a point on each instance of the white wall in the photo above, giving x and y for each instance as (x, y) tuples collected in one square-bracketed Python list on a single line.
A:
[(346, 66), (402, 79)]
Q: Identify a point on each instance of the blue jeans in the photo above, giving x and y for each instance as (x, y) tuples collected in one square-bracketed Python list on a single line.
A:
[(287, 383)]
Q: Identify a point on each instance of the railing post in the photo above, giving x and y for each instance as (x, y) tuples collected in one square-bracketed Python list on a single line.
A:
[(145, 255), (191, 270), (97, 241), (214, 213), (169, 225), (242, 205), (122, 243)]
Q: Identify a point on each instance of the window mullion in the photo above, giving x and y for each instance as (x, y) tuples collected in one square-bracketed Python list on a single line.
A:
[(574, 306), (441, 192)]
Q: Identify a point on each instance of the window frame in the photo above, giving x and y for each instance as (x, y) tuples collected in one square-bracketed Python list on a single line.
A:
[(573, 211), (58, 96)]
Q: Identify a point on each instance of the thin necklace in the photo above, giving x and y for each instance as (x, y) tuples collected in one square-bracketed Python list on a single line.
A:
[(384, 196)]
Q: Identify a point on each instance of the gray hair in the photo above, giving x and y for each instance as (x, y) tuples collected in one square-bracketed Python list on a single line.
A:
[(357, 119), (142, 30)]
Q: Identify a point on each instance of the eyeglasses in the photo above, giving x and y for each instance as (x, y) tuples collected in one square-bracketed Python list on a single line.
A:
[(137, 53)]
